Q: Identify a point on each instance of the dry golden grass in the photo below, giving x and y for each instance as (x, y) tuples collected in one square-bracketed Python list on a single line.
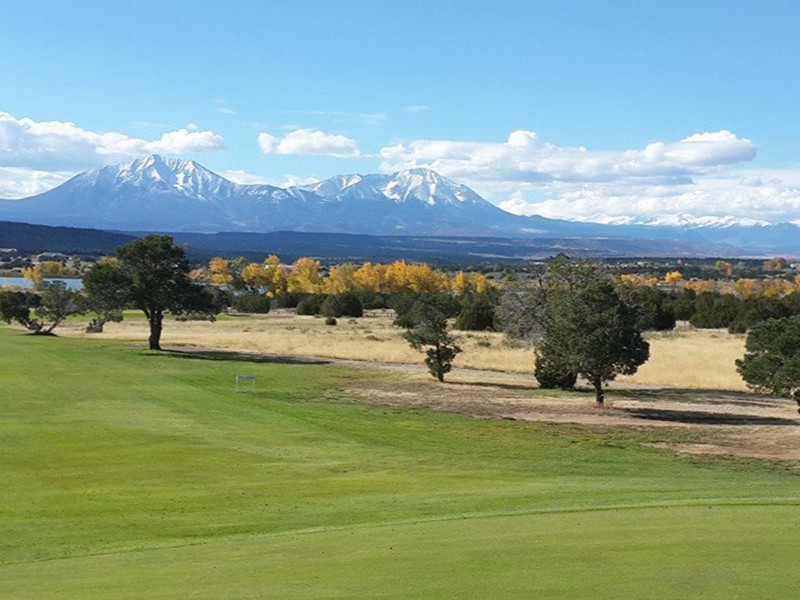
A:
[(693, 358), (685, 358)]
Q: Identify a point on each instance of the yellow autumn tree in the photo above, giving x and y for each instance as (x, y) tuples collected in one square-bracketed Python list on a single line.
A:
[(255, 278), (480, 283), (371, 277), (461, 283), (340, 279), (219, 271), (305, 276), (33, 274), (276, 273), (673, 277)]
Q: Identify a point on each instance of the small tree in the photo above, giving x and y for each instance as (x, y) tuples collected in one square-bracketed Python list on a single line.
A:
[(52, 302), (772, 359), (16, 306), (105, 290), (477, 313), (427, 332), (156, 275)]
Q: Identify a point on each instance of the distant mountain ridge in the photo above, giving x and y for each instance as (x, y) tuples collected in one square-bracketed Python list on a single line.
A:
[(154, 193)]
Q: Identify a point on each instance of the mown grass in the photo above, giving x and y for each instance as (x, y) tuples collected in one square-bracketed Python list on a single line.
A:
[(132, 474)]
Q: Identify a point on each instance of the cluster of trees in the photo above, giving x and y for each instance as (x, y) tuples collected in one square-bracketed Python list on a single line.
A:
[(150, 274), (737, 313), (580, 323), (307, 276), (40, 310)]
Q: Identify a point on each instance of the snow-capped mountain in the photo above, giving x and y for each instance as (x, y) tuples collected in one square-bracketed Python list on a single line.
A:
[(157, 193), (161, 194), (680, 220)]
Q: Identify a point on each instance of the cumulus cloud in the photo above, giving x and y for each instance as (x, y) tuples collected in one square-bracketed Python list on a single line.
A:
[(309, 142), (17, 182), (523, 157), (62, 145), (702, 174)]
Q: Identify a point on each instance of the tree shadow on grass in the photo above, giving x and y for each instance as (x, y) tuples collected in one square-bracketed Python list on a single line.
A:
[(505, 386), (706, 418), (698, 395), (230, 355)]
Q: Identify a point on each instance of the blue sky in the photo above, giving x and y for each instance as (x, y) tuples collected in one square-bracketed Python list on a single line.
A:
[(638, 108)]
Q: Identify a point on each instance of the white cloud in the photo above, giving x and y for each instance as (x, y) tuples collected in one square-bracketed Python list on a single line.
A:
[(224, 110), (62, 145), (17, 182), (243, 177), (414, 108), (701, 174), (184, 141), (309, 142), (38, 155), (523, 157)]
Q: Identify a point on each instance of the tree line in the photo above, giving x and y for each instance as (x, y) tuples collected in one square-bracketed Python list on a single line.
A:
[(580, 320)]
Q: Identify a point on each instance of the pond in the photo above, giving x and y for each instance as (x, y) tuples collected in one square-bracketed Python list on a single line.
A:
[(73, 284)]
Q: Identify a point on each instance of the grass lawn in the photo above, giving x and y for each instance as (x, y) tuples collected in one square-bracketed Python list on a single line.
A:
[(129, 474)]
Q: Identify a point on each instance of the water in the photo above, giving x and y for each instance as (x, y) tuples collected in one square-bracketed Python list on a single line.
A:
[(73, 284)]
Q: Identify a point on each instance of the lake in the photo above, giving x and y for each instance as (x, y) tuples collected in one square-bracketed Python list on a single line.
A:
[(73, 284)]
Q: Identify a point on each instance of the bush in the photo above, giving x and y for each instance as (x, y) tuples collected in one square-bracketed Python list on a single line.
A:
[(714, 311), (310, 305), (477, 314), (445, 304), (192, 316), (552, 377), (372, 300), (342, 305), (252, 303), (288, 299), (330, 321)]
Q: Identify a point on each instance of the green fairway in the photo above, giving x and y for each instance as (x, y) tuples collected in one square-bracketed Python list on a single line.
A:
[(129, 474)]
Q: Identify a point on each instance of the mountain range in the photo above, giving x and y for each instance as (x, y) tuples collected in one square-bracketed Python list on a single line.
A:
[(157, 194)]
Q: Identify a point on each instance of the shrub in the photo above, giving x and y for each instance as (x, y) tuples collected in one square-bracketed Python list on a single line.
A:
[(310, 305), (342, 305), (445, 304), (330, 321), (252, 303), (288, 299), (372, 300), (477, 314), (553, 377)]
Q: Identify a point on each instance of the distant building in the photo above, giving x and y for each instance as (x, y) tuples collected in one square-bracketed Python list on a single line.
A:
[(51, 256)]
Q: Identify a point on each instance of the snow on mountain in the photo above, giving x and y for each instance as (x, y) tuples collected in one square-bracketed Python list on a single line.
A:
[(162, 194), (418, 184), (157, 193), (679, 220)]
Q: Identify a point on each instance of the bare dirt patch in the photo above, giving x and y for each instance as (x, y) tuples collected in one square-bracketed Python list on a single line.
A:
[(736, 424)]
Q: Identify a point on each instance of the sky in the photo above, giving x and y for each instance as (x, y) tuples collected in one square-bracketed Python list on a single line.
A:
[(569, 109)]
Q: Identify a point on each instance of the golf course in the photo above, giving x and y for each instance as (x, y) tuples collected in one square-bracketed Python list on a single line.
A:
[(128, 473)]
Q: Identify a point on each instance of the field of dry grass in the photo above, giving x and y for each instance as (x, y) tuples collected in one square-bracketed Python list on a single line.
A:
[(685, 358)]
